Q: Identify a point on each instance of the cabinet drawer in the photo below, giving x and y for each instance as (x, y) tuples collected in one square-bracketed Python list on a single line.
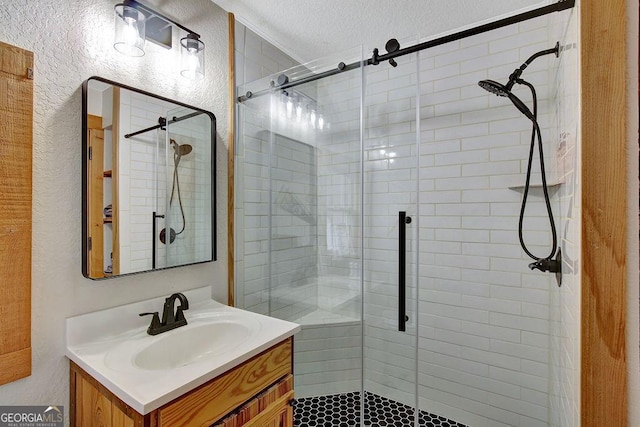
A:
[(268, 408), (206, 404)]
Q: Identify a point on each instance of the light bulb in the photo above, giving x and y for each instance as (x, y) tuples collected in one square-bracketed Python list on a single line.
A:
[(193, 62), (321, 122), (129, 32)]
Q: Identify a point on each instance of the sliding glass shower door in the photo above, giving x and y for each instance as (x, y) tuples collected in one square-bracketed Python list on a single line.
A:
[(327, 235)]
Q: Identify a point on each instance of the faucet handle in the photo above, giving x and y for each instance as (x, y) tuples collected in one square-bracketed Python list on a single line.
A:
[(155, 322)]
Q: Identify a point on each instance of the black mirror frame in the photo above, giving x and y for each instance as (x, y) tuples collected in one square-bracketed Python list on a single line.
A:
[(85, 170)]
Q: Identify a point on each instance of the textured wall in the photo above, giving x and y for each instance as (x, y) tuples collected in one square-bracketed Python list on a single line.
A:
[(300, 30), (72, 41)]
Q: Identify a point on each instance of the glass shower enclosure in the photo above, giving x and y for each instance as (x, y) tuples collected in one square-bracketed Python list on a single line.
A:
[(378, 207)]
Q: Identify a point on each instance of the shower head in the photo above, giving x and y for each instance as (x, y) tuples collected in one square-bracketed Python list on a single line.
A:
[(184, 149), (180, 150), (501, 90), (494, 87)]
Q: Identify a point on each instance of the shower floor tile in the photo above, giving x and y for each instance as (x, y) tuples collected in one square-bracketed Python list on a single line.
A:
[(343, 410)]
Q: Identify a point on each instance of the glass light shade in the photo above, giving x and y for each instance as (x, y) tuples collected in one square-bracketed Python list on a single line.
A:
[(192, 57), (129, 31)]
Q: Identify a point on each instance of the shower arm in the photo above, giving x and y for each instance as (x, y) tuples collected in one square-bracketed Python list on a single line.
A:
[(513, 78)]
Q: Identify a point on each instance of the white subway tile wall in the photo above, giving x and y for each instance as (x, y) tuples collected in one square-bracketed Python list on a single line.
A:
[(565, 301), (497, 344)]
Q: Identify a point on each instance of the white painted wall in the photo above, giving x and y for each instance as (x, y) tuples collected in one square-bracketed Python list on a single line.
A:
[(73, 41)]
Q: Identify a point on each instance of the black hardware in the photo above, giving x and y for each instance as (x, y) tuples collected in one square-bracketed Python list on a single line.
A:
[(162, 123), (170, 319), (172, 235), (283, 79), (521, 17), (550, 265), (155, 322), (403, 220), (341, 66), (375, 59), (515, 76), (392, 46), (154, 229)]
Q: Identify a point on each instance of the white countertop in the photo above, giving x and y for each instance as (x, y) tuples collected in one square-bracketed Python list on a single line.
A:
[(105, 344)]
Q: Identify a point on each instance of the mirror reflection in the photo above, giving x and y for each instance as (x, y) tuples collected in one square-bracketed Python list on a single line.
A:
[(148, 181)]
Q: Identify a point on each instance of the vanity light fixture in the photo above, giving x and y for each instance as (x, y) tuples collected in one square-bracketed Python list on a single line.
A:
[(192, 57), (136, 23), (129, 31)]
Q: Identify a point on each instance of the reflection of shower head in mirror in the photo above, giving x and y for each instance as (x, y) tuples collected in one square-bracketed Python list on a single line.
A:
[(179, 150)]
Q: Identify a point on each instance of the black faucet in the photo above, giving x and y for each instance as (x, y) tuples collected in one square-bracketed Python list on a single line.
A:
[(170, 319)]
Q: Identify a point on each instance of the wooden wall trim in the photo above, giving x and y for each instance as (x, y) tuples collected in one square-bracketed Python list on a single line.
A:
[(115, 182), (16, 160), (604, 210), (231, 162), (15, 365)]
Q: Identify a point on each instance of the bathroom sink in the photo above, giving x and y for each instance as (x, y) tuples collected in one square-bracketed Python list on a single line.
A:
[(188, 345), (203, 339)]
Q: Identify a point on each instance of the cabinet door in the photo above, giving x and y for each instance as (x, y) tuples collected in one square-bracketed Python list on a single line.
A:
[(91, 404), (279, 413), (94, 408)]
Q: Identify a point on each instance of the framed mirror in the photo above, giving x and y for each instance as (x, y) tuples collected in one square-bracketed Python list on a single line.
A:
[(148, 181)]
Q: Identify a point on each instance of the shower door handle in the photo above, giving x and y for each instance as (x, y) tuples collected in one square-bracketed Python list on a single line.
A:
[(403, 220), (154, 229)]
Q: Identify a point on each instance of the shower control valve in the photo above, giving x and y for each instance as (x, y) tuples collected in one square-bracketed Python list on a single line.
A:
[(545, 265), (550, 265)]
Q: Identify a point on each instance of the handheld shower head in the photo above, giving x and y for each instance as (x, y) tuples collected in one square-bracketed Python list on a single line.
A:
[(494, 87), (501, 90), (180, 150)]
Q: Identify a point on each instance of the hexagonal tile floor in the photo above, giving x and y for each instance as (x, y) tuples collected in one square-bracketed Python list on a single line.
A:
[(343, 410)]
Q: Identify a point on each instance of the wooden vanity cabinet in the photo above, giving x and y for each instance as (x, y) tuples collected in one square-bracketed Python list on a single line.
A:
[(257, 393)]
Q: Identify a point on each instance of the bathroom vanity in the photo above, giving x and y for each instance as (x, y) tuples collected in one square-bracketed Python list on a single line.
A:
[(226, 367), (257, 392)]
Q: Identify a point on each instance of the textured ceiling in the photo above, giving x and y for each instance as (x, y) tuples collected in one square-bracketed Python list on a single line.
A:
[(311, 29)]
